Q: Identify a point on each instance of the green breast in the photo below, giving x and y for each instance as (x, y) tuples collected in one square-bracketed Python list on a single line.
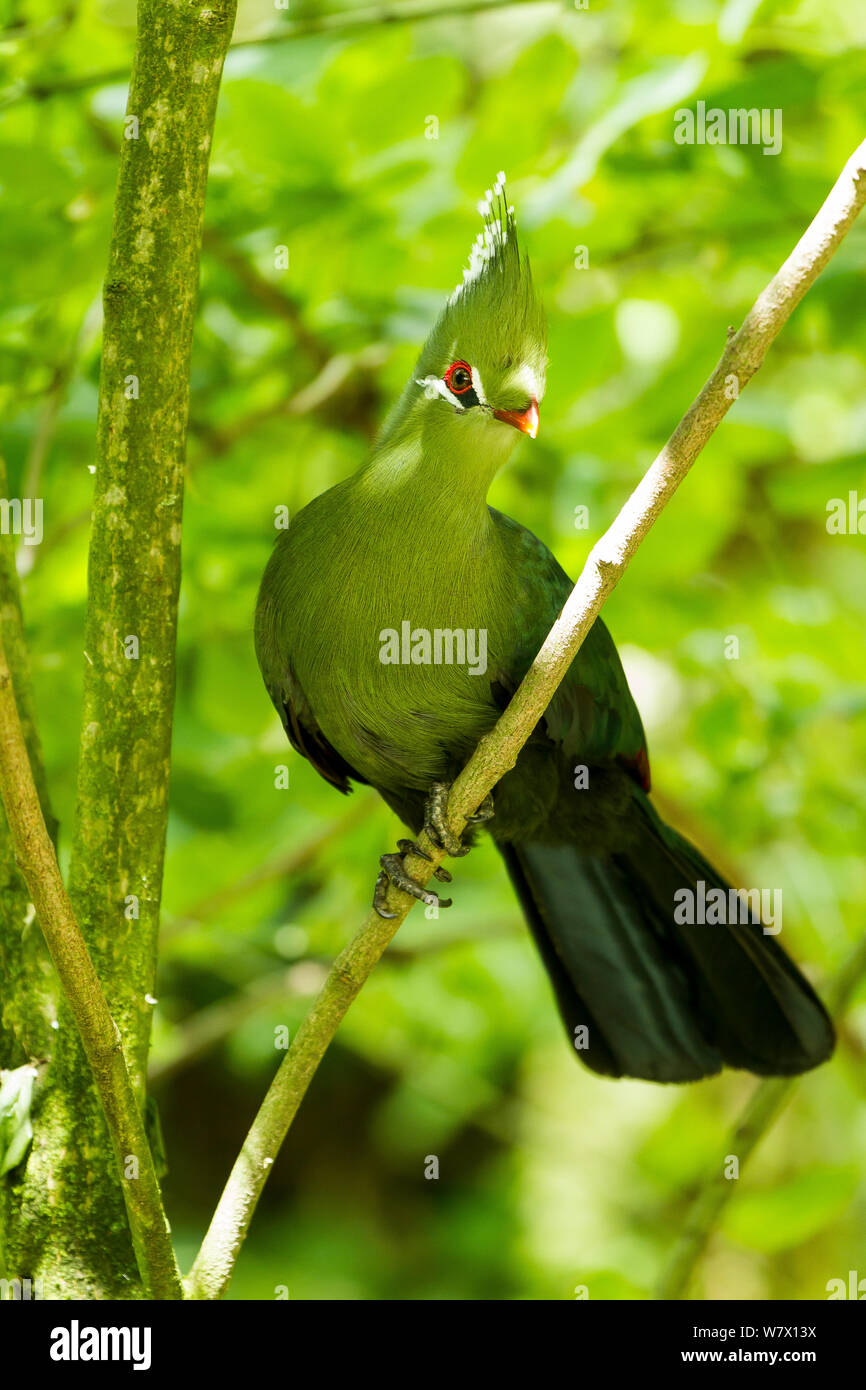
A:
[(395, 646)]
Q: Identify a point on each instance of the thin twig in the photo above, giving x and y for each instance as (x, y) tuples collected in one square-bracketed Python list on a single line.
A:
[(274, 298), (314, 396), (342, 22), (208, 1027), (29, 983), (287, 865), (46, 428), (98, 1031), (497, 752), (13, 635)]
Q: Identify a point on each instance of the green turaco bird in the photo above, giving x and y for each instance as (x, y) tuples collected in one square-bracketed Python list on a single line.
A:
[(398, 614)]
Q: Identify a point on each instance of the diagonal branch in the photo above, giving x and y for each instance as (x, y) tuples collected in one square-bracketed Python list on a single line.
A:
[(12, 633), (497, 752), (272, 297), (24, 967), (320, 394), (99, 1034), (290, 864)]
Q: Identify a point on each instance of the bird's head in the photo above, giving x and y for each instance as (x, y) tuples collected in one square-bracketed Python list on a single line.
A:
[(482, 370)]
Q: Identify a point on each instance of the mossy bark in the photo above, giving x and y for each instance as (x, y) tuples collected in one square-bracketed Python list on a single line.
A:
[(67, 1225)]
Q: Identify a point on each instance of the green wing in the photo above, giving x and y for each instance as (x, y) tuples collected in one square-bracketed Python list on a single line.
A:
[(592, 715)]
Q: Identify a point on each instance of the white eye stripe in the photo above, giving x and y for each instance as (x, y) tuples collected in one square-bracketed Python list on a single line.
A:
[(435, 386)]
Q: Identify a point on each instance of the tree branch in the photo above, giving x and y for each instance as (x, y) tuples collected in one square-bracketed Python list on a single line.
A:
[(272, 297), (46, 428), (497, 752), (28, 982), (295, 861), (211, 1025), (12, 631), (99, 1034), (150, 296), (341, 22), (195, 1036)]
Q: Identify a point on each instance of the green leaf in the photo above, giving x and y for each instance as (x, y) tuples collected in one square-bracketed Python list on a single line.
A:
[(16, 1131)]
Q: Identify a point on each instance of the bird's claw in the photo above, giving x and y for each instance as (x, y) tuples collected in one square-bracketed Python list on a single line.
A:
[(393, 871), (436, 823), (436, 826), (379, 893), (410, 847), (485, 811)]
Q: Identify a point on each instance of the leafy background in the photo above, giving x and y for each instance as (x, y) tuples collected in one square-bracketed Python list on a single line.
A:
[(549, 1178)]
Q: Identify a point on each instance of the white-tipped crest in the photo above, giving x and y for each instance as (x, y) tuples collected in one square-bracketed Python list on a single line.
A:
[(493, 235)]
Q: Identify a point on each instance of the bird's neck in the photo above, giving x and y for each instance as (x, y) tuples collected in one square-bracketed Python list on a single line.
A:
[(438, 478)]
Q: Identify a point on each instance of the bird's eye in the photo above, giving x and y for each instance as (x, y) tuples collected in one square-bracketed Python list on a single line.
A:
[(458, 378)]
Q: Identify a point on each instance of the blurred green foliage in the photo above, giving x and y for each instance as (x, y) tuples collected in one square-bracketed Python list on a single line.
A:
[(549, 1178)]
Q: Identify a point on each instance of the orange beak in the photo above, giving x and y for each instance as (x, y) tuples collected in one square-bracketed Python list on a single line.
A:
[(524, 420)]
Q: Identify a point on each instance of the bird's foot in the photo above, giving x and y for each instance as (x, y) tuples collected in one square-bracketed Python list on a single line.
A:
[(436, 824), (393, 871)]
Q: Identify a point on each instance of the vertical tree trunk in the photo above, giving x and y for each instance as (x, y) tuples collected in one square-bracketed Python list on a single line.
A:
[(68, 1226)]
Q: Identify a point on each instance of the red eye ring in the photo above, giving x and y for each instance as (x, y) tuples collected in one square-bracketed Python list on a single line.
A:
[(458, 378)]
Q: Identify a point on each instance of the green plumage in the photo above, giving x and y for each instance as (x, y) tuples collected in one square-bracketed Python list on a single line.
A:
[(410, 539)]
